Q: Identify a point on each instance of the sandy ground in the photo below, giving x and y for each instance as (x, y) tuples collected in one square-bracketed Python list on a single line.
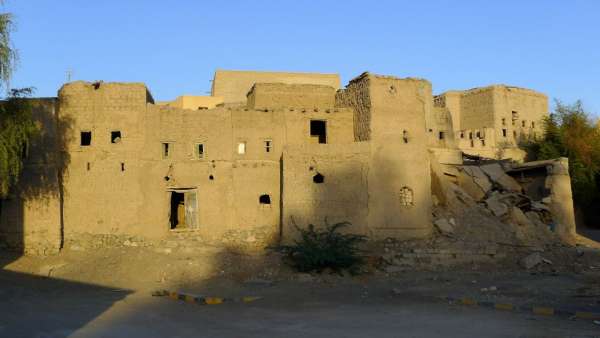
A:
[(107, 293)]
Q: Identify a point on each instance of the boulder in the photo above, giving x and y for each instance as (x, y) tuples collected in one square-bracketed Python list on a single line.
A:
[(533, 260), (444, 226), (473, 180), (494, 204), (495, 172), (519, 217)]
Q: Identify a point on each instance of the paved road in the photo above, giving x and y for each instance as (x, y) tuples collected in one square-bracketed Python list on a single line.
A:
[(41, 307)]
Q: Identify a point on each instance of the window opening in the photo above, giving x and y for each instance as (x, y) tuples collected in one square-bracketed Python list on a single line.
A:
[(122, 166), (318, 131), (318, 178), (406, 197), (503, 121), (86, 138), (199, 149), (405, 136), (483, 142), (504, 132), (532, 124), (166, 150), (523, 123), (441, 135), (264, 199), (241, 149), (88, 166), (115, 136), (268, 145)]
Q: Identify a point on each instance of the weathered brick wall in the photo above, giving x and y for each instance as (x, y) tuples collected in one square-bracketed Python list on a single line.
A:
[(356, 96)]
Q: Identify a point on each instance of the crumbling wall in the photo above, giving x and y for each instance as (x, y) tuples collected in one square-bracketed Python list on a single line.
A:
[(356, 96)]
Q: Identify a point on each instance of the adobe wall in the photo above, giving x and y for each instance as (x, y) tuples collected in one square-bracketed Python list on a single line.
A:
[(103, 182), (477, 108), (343, 196), (398, 110), (195, 102), (233, 86), (531, 108), (30, 219), (280, 95)]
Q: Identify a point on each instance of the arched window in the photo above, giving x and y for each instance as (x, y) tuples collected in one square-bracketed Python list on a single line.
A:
[(406, 197)]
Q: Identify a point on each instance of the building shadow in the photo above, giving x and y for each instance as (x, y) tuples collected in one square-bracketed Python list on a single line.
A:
[(31, 219)]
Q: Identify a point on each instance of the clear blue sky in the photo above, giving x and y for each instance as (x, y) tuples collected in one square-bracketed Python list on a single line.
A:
[(174, 46)]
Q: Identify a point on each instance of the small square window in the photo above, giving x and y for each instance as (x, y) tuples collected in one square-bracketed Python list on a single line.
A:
[(86, 138), (532, 124), (199, 150), (167, 148), (268, 146), (504, 132), (241, 148), (441, 135), (115, 136), (462, 134)]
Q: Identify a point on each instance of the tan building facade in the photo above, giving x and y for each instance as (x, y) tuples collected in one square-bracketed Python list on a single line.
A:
[(293, 153), (491, 121)]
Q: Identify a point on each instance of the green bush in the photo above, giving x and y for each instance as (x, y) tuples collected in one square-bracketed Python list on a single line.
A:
[(319, 249)]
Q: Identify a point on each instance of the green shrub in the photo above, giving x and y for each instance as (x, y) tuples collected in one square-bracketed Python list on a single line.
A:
[(319, 249)]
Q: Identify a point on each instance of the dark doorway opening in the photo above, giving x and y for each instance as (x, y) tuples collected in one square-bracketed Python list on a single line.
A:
[(318, 130), (177, 217)]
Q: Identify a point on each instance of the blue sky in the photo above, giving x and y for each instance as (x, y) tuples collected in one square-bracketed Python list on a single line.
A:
[(552, 46)]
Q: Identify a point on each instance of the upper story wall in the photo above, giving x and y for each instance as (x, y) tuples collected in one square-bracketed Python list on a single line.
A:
[(194, 102), (280, 95), (101, 109), (233, 86)]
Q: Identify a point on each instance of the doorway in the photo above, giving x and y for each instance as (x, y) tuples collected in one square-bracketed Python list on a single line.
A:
[(184, 209)]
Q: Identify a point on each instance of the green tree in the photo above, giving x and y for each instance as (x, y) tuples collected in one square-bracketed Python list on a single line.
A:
[(16, 124), (570, 132), (16, 129)]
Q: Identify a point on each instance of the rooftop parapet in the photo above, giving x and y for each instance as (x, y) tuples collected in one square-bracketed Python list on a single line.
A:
[(280, 95)]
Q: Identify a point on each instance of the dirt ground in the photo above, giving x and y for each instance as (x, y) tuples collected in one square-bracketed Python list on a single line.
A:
[(107, 293)]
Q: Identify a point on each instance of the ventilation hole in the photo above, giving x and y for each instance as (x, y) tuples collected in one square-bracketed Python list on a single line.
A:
[(122, 166), (318, 178), (211, 177), (264, 199), (88, 166)]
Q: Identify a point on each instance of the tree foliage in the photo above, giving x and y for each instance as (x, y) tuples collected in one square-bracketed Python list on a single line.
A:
[(8, 55), (16, 129), (570, 132)]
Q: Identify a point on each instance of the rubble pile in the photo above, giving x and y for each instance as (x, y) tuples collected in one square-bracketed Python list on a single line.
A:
[(481, 216)]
